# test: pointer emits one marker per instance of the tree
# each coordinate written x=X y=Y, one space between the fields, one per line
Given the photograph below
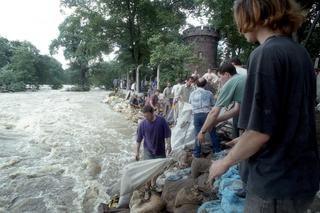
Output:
x=84 y=39
x=51 y=71
x=102 y=74
x=129 y=24
x=220 y=15
x=5 y=52
x=171 y=54
x=21 y=65
x=24 y=62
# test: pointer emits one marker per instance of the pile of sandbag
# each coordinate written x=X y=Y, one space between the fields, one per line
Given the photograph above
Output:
x=230 y=194
x=121 y=105
x=176 y=185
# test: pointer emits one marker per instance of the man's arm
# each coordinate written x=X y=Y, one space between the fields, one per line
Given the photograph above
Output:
x=168 y=146
x=139 y=141
x=249 y=143
x=138 y=151
x=229 y=114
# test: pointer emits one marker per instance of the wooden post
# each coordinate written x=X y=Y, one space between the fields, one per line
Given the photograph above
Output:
x=138 y=78
x=128 y=81
x=158 y=77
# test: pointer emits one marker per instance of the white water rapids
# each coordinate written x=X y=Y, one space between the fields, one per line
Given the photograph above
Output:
x=60 y=150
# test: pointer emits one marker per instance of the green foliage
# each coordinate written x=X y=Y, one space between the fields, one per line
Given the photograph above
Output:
x=84 y=39
x=98 y=25
x=313 y=44
x=171 y=54
x=102 y=74
x=21 y=65
x=220 y=15
x=9 y=81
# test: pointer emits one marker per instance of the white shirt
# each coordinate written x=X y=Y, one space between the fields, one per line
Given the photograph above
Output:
x=241 y=70
x=211 y=77
x=133 y=86
x=176 y=90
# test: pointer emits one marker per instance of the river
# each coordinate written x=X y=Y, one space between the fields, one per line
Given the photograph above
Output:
x=60 y=150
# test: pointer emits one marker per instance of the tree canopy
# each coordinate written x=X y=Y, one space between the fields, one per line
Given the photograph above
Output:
x=220 y=16
x=148 y=33
x=95 y=27
x=21 y=64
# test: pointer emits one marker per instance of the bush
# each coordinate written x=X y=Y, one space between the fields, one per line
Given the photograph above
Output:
x=16 y=87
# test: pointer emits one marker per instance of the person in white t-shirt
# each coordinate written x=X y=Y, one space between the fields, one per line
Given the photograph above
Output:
x=238 y=65
x=176 y=90
x=211 y=77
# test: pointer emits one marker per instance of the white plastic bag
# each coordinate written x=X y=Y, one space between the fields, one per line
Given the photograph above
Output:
x=183 y=134
x=138 y=173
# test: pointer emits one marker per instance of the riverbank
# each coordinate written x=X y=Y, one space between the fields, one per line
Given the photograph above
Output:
x=117 y=102
x=178 y=184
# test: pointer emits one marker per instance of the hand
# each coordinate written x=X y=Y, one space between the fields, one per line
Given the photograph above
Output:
x=137 y=156
x=168 y=150
x=217 y=169
x=201 y=137
x=233 y=142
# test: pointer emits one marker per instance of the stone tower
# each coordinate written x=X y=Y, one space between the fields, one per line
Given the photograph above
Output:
x=205 y=42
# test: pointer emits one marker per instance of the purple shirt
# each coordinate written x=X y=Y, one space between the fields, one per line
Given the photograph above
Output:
x=154 y=134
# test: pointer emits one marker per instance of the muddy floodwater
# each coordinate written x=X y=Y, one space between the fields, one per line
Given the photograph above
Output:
x=59 y=151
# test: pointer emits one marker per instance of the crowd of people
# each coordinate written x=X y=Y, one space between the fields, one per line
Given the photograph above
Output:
x=273 y=106
x=208 y=95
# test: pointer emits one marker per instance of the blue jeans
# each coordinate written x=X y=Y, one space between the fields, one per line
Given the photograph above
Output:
x=199 y=120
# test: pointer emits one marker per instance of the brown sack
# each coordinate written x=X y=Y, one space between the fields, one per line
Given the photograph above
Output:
x=138 y=205
x=188 y=195
x=187 y=208
x=199 y=166
x=171 y=189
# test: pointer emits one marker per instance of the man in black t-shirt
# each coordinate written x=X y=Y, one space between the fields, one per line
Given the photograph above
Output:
x=277 y=112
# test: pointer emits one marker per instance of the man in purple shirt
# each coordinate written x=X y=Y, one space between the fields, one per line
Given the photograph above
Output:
x=155 y=133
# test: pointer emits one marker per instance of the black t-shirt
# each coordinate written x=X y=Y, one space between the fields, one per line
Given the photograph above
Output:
x=279 y=100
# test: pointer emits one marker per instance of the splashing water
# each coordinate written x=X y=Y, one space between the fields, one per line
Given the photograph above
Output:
x=60 y=150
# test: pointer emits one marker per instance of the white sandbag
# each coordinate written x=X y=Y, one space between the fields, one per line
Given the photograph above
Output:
x=183 y=133
x=138 y=173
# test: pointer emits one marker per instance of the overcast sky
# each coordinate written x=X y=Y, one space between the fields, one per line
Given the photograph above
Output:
x=36 y=21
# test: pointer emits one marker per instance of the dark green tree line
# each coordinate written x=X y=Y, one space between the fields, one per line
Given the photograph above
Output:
x=97 y=26
x=21 y=64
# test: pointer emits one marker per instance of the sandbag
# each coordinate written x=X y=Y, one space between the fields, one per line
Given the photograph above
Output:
x=172 y=174
x=153 y=205
x=170 y=190
x=183 y=133
x=188 y=195
x=103 y=208
x=200 y=166
x=183 y=157
x=187 y=208
x=203 y=184
x=138 y=173
x=229 y=186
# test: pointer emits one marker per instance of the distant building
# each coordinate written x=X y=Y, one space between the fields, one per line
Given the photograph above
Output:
x=205 y=43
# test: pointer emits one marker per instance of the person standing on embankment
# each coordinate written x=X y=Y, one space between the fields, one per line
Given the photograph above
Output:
x=155 y=133
x=277 y=112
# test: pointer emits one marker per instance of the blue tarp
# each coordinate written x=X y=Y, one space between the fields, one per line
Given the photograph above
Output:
x=230 y=186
